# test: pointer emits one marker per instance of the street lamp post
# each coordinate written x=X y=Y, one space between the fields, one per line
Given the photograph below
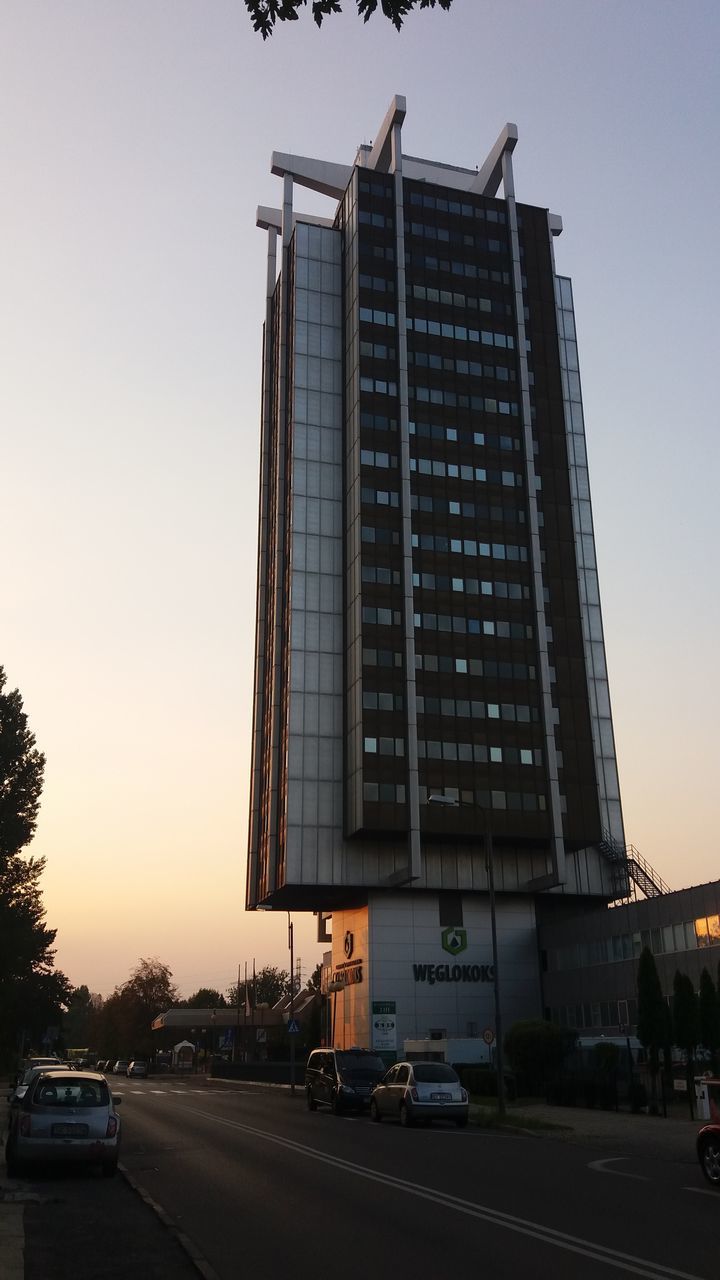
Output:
x=292 y=1006
x=441 y=798
x=490 y=868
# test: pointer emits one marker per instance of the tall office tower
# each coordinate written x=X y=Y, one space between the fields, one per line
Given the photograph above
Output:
x=430 y=665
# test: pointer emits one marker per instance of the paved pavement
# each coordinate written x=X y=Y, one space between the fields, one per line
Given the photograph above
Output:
x=35 y=1224
x=654 y=1136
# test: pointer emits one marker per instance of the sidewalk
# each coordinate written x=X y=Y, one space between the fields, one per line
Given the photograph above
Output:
x=622 y=1131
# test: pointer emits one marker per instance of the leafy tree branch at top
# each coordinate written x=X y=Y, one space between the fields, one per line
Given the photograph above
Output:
x=264 y=14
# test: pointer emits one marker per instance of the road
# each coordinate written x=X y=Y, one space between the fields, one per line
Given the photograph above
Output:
x=262 y=1186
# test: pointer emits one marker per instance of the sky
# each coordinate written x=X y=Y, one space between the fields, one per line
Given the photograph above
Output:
x=134 y=149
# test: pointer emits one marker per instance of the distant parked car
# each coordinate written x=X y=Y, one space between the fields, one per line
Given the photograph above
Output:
x=708 y=1151
x=413 y=1091
x=342 y=1079
x=138 y=1068
x=37 y=1062
x=28 y=1077
x=65 y=1116
x=120 y=1067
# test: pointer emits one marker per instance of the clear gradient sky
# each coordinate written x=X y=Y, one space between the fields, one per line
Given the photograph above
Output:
x=135 y=146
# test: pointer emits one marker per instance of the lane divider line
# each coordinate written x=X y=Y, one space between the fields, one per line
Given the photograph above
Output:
x=548 y=1235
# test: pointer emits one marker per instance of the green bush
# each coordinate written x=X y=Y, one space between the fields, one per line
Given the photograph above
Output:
x=537 y=1049
x=481 y=1082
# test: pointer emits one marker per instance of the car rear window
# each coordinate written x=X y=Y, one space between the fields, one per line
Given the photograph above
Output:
x=434 y=1073
x=70 y=1091
x=358 y=1065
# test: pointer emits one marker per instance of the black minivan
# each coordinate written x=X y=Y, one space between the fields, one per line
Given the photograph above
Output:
x=342 y=1079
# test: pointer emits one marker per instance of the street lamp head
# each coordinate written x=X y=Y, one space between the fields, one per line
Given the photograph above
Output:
x=440 y=797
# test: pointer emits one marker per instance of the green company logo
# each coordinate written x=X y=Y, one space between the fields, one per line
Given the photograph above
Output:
x=454 y=940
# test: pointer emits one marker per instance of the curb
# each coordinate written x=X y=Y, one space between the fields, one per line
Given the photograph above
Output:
x=187 y=1245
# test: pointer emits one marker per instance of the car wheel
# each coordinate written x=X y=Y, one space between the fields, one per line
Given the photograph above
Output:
x=461 y=1122
x=406 y=1119
x=311 y=1103
x=375 y=1112
x=710 y=1160
x=109 y=1169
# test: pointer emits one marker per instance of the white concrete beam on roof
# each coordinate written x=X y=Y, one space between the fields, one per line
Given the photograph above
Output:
x=381 y=154
x=317 y=175
x=445 y=175
x=268 y=219
x=489 y=176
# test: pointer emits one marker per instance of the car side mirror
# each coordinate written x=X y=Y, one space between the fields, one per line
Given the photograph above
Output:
x=116 y=1100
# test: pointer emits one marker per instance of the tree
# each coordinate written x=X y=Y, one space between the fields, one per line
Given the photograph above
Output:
x=22 y=768
x=126 y=1016
x=315 y=979
x=651 y=1016
x=709 y=1017
x=78 y=1019
x=685 y=1022
x=32 y=992
x=266 y=987
x=204 y=998
x=265 y=13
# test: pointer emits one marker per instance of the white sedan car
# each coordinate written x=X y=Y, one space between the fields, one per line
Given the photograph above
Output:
x=412 y=1091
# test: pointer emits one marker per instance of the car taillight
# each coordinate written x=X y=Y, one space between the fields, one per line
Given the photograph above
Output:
x=25 y=1126
x=414 y=1094
x=463 y=1095
x=112 y=1125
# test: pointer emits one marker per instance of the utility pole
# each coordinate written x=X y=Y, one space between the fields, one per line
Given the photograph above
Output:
x=236 y=1055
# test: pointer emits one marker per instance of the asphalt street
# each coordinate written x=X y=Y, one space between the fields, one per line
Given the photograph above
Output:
x=234 y=1179
x=258 y=1183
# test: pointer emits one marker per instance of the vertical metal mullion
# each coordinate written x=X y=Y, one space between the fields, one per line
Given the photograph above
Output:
x=546 y=707
x=259 y=726
x=413 y=797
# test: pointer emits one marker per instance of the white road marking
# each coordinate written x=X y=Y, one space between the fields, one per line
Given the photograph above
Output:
x=598 y=1167
x=703 y=1191
x=523 y=1226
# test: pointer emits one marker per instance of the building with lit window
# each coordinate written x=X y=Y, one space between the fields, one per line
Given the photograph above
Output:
x=430 y=665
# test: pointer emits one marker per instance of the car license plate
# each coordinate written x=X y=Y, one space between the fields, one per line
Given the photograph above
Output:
x=441 y=1097
x=69 y=1131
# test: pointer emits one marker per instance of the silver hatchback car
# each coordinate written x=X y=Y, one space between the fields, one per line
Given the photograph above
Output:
x=65 y=1116
x=412 y=1091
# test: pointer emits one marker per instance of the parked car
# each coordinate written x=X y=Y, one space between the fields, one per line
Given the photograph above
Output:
x=52 y=1061
x=120 y=1067
x=29 y=1076
x=138 y=1068
x=65 y=1116
x=341 y=1079
x=412 y=1091
x=708 y=1150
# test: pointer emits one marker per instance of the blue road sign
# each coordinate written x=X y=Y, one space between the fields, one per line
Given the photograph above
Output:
x=293 y=1027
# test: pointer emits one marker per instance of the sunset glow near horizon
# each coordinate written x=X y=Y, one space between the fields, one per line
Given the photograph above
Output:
x=137 y=146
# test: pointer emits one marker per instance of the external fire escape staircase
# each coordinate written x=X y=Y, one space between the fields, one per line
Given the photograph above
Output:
x=630 y=869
